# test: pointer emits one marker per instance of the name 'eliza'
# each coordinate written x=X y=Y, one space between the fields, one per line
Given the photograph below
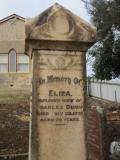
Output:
x=59 y=93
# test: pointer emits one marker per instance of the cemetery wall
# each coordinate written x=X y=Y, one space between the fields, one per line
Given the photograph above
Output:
x=105 y=90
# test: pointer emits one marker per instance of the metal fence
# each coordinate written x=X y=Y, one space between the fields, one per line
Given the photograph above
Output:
x=104 y=90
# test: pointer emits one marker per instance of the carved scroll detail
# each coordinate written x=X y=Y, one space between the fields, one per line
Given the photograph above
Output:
x=59 y=62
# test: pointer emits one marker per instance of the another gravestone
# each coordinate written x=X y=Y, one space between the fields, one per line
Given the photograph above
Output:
x=57 y=40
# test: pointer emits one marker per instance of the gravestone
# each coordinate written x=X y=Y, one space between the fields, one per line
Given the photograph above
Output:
x=57 y=41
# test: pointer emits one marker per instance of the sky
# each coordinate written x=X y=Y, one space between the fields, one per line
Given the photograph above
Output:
x=31 y=8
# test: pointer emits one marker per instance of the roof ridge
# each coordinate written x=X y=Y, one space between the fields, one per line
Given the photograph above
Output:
x=11 y=16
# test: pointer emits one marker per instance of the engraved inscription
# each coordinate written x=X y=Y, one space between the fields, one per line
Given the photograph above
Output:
x=60 y=93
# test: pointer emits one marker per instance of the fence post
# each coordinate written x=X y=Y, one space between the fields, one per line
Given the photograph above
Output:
x=101 y=90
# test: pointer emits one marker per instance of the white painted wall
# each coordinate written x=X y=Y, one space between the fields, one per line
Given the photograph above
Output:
x=104 y=90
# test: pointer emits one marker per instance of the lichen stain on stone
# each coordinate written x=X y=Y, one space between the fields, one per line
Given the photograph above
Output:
x=58 y=23
x=24 y=118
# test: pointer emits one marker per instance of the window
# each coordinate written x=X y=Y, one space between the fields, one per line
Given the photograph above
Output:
x=22 y=63
x=12 y=61
x=3 y=62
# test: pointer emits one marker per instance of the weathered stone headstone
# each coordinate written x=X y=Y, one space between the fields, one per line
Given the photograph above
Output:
x=57 y=40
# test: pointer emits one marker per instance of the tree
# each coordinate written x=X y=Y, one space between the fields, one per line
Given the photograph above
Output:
x=105 y=15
